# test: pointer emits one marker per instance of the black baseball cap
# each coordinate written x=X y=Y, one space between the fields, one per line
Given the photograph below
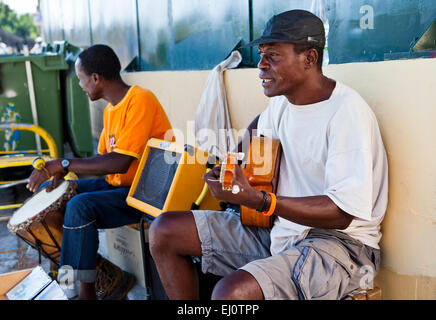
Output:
x=295 y=26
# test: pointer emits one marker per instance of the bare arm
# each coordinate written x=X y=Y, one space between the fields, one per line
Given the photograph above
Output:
x=315 y=211
x=109 y=163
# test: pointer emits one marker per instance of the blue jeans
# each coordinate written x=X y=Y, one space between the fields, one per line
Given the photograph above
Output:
x=98 y=205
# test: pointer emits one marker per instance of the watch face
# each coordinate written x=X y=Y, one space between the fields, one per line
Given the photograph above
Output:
x=65 y=163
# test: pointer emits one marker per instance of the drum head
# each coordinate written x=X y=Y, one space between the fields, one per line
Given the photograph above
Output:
x=37 y=204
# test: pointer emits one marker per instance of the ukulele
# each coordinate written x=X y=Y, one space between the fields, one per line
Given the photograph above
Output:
x=261 y=170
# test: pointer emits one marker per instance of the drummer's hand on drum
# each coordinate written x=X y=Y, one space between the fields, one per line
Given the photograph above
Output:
x=39 y=176
x=36 y=179
x=57 y=180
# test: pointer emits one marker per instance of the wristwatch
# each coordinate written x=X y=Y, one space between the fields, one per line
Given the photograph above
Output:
x=65 y=164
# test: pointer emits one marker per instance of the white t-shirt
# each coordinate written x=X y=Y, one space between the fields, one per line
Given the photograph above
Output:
x=331 y=148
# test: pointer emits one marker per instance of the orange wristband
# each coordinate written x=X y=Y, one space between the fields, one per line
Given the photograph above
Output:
x=272 y=206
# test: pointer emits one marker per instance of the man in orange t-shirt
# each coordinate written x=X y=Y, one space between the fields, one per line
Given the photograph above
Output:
x=127 y=127
x=132 y=116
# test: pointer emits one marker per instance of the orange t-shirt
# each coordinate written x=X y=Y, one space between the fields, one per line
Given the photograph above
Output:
x=127 y=127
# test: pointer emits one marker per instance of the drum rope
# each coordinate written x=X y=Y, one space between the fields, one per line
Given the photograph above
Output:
x=50 y=234
x=37 y=245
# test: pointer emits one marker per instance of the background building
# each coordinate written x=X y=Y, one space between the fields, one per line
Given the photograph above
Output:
x=198 y=34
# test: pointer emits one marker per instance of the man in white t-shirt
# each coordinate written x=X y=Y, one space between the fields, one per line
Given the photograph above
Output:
x=331 y=196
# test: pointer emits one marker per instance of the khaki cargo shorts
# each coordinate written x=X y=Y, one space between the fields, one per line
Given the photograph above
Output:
x=326 y=264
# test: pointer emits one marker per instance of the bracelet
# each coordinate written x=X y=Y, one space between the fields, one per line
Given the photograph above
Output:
x=265 y=198
x=272 y=207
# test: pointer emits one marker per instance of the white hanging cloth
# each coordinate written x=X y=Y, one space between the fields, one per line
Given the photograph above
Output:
x=213 y=129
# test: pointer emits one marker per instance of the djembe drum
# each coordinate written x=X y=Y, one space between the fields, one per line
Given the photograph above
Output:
x=39 y=221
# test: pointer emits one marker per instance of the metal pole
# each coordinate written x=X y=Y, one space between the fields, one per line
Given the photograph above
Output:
x=32 y=97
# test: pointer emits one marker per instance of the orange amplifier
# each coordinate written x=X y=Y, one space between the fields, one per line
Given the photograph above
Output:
x=170 y=178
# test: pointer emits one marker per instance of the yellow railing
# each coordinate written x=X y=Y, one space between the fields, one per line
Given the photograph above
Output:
x=53 y=150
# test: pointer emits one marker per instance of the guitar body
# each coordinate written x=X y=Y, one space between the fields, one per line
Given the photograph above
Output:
x=262 y=172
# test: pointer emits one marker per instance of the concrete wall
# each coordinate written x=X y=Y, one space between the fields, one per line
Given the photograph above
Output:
x=403 y=96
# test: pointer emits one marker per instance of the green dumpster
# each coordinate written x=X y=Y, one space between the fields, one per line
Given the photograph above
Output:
x=16 y=99
x=76 y=102
x=62 y=108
